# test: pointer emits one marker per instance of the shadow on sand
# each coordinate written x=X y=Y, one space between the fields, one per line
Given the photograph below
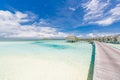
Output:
x=91 y=68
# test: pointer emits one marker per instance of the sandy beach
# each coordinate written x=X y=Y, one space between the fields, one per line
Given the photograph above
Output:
x=29 y=68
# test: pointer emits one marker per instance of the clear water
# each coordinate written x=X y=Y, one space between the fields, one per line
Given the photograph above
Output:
x=114 y=45
x=44 y=60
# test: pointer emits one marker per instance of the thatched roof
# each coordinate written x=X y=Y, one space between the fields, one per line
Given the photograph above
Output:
x=71 y=38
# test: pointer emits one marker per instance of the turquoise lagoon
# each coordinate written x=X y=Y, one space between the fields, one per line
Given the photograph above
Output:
x=44 y=60
x=114 y=45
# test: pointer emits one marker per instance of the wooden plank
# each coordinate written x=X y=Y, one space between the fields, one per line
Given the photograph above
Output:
x=107 y=62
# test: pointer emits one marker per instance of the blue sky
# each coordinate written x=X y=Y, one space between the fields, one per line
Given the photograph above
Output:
x=59 y=18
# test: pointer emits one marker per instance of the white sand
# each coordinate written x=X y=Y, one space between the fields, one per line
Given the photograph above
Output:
x=31 y=68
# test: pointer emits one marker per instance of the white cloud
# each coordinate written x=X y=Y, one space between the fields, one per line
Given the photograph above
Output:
x=91 y=35
x=80 y=36
x=11 y=27
x=96 y=12
x=72 y=9
x=115 y=11
x=16 y=17
x=94 y=9
x=105 y=22
x=102 y=34
x=113 y=17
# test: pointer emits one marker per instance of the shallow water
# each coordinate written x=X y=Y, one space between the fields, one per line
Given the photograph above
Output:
x=44 y=60
x=114 y=45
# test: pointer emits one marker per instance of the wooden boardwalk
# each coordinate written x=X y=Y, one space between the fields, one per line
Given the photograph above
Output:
x=107 y=62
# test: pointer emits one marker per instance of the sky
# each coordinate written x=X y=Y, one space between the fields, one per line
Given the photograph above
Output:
x=59 y=18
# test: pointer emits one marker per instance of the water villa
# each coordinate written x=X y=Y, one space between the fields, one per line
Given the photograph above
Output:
x=116 y=39
x=72 y=38
x=109 y=39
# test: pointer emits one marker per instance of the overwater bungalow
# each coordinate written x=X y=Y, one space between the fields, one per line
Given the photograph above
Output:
x=104 y=39
x=113 y=39
x=109 y=39
x=117 y=39
x=72 y=38
x=100 y=39
x=97 y=39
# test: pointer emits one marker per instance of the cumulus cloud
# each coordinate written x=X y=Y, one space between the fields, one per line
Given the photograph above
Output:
x=11 y=26
x=100 y=12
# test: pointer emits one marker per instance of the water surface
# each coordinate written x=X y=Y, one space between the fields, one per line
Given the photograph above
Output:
x=44 y=60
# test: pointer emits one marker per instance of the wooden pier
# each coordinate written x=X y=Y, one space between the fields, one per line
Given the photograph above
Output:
x=107 y=62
